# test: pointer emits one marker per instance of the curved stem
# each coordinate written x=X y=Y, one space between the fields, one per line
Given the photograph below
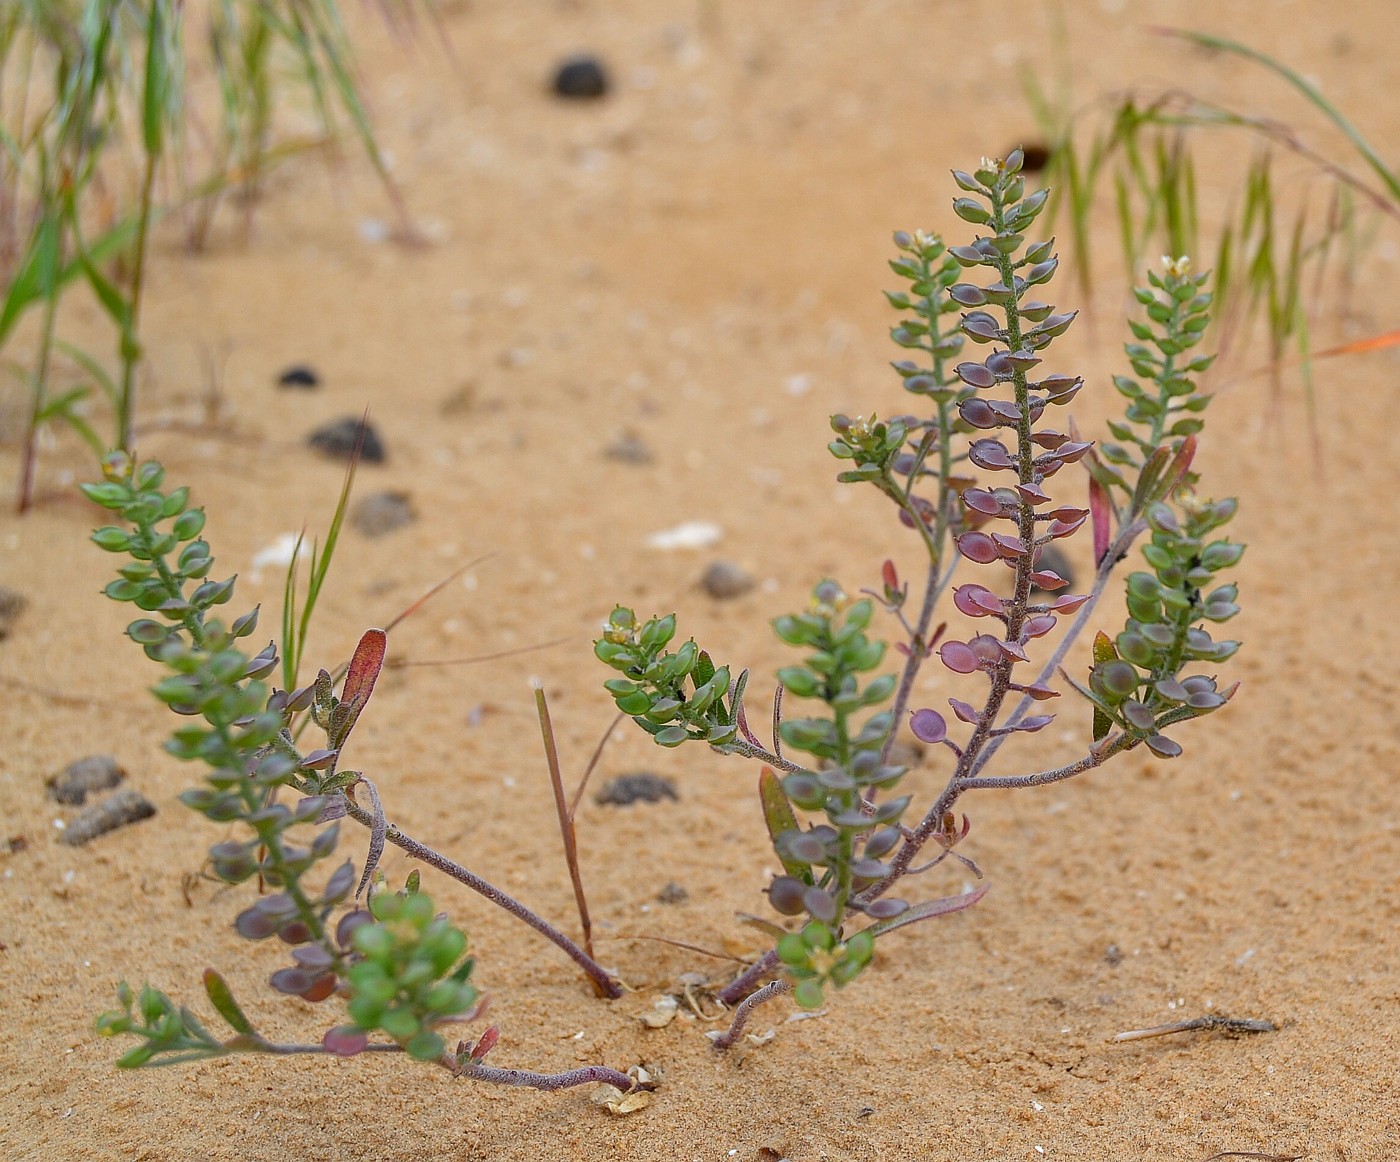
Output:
x=602 y=980
x=775 y=988
x=545 y=1081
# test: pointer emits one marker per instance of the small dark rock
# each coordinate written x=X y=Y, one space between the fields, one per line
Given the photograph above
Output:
x=581 y=77
x=1113 y=955
x=724 y=579
x=127 y=806
x=643 y=787
x=340 y=437
x=15 y=843
x=299 y=375
x=97 y=772
x=382 y=512
x=672 y=893
x=1037 y=157
x=12 y=604
x=1053 y=559
x=629 y=448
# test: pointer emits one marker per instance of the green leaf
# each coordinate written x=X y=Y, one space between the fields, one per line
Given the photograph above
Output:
x=221 y=997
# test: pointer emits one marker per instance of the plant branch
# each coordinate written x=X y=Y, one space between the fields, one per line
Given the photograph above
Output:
x=723 y=1040
x=595 y=972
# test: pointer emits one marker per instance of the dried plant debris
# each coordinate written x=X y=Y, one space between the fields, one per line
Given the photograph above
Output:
x=299 y=375
x=641 y=787
x=1231 y=1026
x=645 y=1078
x=339 y=438
x=126 y=806
x=724 y=579
x=382 y=512
x=662 y=1013
x=12 y=604
x=581 y=77
x=97 y=772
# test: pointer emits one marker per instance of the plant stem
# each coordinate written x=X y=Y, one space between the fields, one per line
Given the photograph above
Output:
x=130 y=342
x=546 y=1081
x=775 y=988
x=601 y=978
x=566 y=819
x=738 y=988
x=29 y=455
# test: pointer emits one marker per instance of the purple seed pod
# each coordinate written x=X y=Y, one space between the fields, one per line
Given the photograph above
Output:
x=886 y=908
x=927 y=726
x=345 y=1041
x=981 y=326
x=1037 y=626
x=983 y=500
x=1163 y=747
x=292 y=981
x=977 y=601
x=975 y=375
x=820 y=905
x=1009 y=547
x=978 y=547
x=785 y=894
x=977 y=413
x=965 y=711
x=990 y=454
x=958 y=657
x=987 y=648
x=345 y=930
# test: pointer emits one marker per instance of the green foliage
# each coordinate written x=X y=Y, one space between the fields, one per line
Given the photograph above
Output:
x=674 y=697
x=412 y=977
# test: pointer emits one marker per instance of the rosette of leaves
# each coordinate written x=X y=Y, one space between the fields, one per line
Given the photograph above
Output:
x=675 y=697
x=1137 y=683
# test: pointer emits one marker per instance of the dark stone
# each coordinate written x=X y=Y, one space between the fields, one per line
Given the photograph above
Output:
x=299 y=375
x=629 y=448
x=340 y=437
x=126 y=806
x=97 y=772
x=1113 y=955
x=723 y=579
x=642 y=787
x=1037 y=157
x=581 y=77
x=382 y=512
x=672 y=893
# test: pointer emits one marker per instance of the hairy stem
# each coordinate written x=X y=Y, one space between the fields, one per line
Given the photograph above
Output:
x=772 y=989
x=546 y=1081
x=743 y=984
x=601 y=978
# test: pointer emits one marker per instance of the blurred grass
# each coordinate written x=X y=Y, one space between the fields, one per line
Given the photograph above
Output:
x=100 y=138
x=1283 y=246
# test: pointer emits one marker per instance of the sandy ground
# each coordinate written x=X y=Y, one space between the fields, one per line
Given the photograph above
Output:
x=697 y=261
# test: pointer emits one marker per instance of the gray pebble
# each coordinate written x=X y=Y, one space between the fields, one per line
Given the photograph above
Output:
x=629 y=448
x=339 y=438
x=672 y=893
x=97 y=772
x=299 y=375
x=126 y=806
x=382 y=512
x=642 y=787
x=724 y=579
x=581 y=76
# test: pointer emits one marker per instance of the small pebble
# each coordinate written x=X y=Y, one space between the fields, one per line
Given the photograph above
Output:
x=1113 y=955
x=629 y=448
x=581 y=77
x=673 y=893
x=724 y=579
x=98 y=772
x=382 y=512
x=12 y=604
x=643 y=787
x=1053 y=559
x=1037 y=157
x=339 y=437
x=126 y=806
x=299 y=375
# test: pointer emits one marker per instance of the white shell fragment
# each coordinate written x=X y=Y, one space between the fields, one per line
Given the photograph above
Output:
x=662 y=1013
x=693 y=534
